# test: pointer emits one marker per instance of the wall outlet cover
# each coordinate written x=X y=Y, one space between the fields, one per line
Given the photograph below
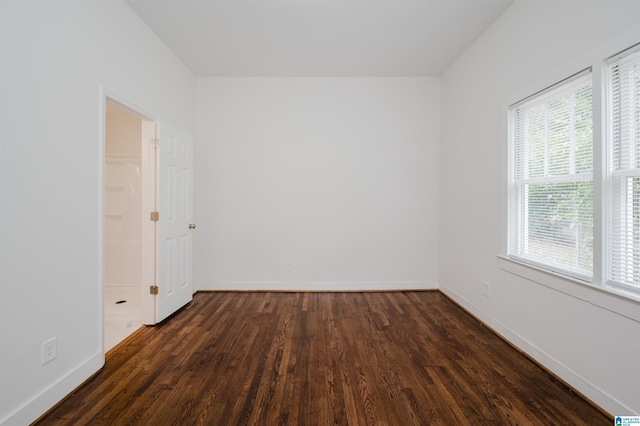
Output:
x=49 y=350
x=485 y=289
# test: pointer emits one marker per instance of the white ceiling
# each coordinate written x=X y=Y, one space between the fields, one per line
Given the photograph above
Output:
x=318 y=37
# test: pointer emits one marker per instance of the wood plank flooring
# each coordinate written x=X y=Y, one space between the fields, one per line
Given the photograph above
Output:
x=399 y=358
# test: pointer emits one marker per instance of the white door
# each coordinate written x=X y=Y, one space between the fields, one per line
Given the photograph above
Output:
x=175 y=206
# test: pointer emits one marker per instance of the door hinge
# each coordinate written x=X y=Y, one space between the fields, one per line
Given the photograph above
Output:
x=153 y=289
x=155 y=142
x=155 y=216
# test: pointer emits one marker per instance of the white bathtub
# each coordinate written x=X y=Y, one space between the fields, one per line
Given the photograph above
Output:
x=121 y=319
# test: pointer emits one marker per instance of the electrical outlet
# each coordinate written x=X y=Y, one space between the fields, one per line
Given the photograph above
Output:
x=485 y=289
x=288 y=265
x=49 y=350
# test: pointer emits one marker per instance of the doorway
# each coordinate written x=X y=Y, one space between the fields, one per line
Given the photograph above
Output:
x=123 y=224
x=147 y=220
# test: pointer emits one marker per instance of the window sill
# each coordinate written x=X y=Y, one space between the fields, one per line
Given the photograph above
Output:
x=610 y=299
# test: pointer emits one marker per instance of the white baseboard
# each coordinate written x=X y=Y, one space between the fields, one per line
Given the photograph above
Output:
x=579 y=383
x=53 y=394
x=316 y=286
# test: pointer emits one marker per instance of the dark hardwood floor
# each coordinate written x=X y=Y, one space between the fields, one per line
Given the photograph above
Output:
x=399 y=358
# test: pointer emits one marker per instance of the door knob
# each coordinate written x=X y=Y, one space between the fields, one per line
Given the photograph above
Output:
x=192 y=226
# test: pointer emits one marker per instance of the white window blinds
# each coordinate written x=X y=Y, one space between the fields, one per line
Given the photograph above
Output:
x=551 y=190
x=624 y=171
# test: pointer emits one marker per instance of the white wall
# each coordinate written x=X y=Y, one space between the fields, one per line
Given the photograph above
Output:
x=338 y=175
x=588 y=337
x=55 y=55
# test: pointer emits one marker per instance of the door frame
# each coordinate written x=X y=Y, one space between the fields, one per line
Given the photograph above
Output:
x=148 y=189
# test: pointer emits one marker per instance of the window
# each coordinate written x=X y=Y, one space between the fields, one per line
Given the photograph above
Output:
x=623 y=104
x=551 y=200
x=551 y=188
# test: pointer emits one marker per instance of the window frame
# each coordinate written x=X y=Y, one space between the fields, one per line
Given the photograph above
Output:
x=598 y=291
x=513 y=199
x=611 y=175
